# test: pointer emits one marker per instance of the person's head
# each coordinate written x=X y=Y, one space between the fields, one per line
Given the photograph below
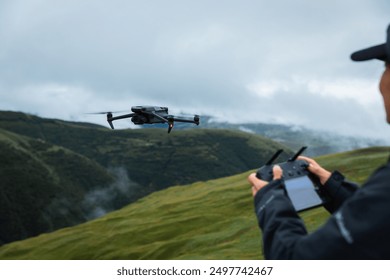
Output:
x=381 y=52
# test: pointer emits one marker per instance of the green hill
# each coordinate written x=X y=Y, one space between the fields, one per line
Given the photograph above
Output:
x=55 y=174
x=43 y=186
x=205 y=220
x=181 y=157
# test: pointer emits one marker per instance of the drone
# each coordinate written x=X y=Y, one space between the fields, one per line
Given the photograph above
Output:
x=150 y=115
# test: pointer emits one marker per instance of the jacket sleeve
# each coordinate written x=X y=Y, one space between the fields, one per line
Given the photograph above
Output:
x=337 y=189
x=358 y=228
x=284 y=233
x=278 y=220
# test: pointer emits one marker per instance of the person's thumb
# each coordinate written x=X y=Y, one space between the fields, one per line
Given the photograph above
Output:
x=278 y=172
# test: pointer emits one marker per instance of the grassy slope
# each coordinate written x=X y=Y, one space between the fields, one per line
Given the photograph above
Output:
x=41 y=186
x=205 y=220
x=53 y=173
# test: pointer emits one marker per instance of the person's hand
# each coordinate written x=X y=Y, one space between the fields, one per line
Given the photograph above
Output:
x=258 y=184
x=322 y=174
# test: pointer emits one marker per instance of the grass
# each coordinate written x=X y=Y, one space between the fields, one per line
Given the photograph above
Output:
x=204 y=220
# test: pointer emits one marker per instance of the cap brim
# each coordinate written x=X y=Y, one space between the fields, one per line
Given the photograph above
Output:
x=375 y=52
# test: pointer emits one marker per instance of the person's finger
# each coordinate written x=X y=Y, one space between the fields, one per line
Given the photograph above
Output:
x=313 y=166
x=317 y=169
x=309 y=160
x=254 y=181
x=254 y=190
x=278 y=172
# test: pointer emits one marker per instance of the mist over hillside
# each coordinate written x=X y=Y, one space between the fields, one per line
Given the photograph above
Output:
x=43 y=186
x=293 y=136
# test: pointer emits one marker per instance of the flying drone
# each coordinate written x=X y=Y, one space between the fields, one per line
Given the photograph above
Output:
x=150 y=115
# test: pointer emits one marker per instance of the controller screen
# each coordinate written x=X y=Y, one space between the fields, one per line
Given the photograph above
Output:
x=302 y=193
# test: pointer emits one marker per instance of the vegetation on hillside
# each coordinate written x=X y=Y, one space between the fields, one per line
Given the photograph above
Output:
x=55 y=174
x=204 y=220
x=152 y=158
x=42 y=186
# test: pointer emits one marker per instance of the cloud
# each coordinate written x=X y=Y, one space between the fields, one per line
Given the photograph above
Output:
x=100 y=201
x=345 y=106
x=236 y=60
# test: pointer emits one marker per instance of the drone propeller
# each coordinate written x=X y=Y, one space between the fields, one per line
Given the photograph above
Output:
x=109 y=116
x=105 y=113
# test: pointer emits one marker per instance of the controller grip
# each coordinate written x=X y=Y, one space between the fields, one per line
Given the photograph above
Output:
x=265 y=173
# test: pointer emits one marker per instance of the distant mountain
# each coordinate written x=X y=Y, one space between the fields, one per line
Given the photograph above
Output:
x=205 y=220
x=55 y=173
x=319 y=142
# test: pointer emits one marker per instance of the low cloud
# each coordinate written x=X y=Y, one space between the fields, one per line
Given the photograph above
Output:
x=258 y=60
x=100 y=201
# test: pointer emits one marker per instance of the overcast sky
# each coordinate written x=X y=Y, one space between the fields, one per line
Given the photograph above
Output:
x=280 y=61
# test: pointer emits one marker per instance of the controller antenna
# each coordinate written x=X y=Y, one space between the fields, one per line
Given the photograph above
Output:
x=275 y=156
x=294 y=157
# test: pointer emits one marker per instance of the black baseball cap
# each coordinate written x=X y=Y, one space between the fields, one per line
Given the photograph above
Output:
x=381 y=52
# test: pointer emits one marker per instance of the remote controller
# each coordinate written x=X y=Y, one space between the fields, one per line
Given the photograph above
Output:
x=303 y=188
x=292 y=168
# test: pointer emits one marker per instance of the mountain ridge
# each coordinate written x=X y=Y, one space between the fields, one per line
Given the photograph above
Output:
x=67 y=173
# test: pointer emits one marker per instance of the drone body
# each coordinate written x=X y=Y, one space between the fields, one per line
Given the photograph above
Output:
x=151 y=115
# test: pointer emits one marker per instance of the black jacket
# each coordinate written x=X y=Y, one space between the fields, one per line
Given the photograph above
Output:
x=359 y=227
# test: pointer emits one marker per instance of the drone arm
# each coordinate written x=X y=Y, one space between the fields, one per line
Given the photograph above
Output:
x=168 y=120
x=110 y=118
x=195 y=120
x=159 y=117
x=122 y=117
